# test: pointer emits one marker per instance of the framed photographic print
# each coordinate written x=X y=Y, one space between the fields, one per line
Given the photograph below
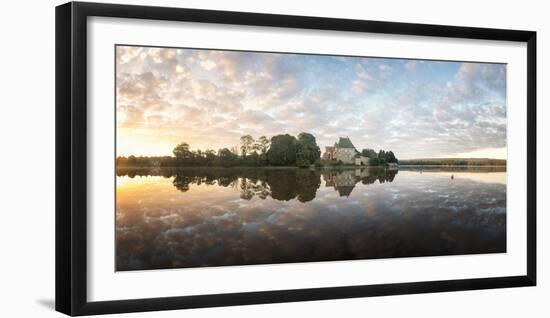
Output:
x=209 y=158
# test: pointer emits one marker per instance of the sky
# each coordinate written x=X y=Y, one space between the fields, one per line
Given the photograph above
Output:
x=210 y=98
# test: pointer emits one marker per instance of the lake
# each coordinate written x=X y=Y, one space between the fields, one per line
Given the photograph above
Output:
x=196 y=217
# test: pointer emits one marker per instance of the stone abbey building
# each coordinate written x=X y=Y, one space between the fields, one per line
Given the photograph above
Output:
x=345 y=151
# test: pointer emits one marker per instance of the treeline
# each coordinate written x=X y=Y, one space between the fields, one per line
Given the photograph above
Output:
x=280 y=150
x=379 y=158
x=455 y=162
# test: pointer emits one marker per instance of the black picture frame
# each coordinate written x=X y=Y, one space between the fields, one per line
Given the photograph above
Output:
x=71 y=157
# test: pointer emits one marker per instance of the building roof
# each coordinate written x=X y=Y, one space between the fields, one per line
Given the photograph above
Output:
x=345 y=143
x=329 y=148
x=345 y=191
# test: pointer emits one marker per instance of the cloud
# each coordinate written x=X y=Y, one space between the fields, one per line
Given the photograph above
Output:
x=207 y=64
x=126 y=54
x=477 y=80
x=210 y=98
x=364 y=79
x=130 y=116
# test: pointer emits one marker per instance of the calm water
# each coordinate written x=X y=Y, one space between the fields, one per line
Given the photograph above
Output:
x=176 y=218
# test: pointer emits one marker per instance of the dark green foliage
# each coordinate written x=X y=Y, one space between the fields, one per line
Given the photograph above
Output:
x=226 y=158
x=308 y=151
x=252 y=160
x=184 y=156
x=386 y=157
x=282 y=151
x=382 y=157
x=369 y=153
x=302 y=163
x=374 y=161
x=391 y=157
x=209 y=157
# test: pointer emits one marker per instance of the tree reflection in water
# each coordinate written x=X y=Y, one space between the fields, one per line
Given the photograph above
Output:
x=279 y=184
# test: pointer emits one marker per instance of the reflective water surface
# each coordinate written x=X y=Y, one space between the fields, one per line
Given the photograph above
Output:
x=193 y=217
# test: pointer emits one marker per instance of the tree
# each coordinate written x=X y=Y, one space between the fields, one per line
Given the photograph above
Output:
x=382 y=157
x=225 y=153
x=280 y=150
x=283 y=150
x=262 y=145
x=182 y=151
x=369 y=153
x=374 y=161
x=227 y=158
x=121 y=161
x=132 y=160
x=392 y=158
x=210 y=157
x=302 y=163
x=197 y=158
x=252 y=159
x=307 y=150
x=234 y=150
x=247 y=145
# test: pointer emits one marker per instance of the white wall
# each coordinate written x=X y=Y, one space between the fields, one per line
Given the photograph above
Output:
x=27 y=158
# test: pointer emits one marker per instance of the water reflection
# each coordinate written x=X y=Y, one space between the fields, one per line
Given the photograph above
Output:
x=280 y=184
x=172 y=218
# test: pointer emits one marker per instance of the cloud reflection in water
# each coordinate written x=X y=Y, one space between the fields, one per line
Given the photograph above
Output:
x=216 y=217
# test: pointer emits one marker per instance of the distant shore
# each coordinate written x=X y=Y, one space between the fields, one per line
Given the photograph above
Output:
x=447 y=166
x=251 y=167
x=459 y=162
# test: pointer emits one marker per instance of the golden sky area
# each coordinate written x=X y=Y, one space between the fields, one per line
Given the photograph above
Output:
x=209 y=98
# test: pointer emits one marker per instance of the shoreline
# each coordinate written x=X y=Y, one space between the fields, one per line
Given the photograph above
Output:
x=312 y=167
x=248 y=167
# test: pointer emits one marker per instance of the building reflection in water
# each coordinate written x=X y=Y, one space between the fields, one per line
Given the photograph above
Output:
x=280 y=184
